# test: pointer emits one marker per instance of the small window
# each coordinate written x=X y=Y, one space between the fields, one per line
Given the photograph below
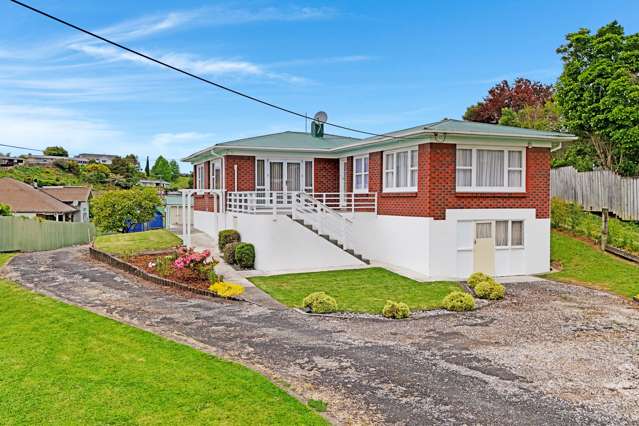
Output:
x=360 y=174
x=260 y=177
x=501 y=233
x=465 y=167
x=389 y=171
x=490 y=169
x=517 y=232
x=216 y=174
x=199 y=176
x=483 y=230
x=515 y=169
x=308 y=176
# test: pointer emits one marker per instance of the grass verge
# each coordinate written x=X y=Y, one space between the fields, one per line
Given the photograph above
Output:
x=137 y=242
x=582 y=263
x=63 y=365
x=357 y=290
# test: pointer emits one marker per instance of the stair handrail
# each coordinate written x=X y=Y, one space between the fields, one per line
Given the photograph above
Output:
x=321 y=214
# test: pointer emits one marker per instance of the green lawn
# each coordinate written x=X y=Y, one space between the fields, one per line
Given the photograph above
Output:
x=356 y=290
x=583 y=264
x=63 y=365
x=137 y=242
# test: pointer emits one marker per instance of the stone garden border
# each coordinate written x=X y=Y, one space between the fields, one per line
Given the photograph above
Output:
x=134 y=270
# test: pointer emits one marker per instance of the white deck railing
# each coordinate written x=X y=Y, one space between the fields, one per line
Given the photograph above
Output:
x=277 y=202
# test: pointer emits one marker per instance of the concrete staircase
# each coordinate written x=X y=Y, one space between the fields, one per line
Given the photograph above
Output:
x=330 y=240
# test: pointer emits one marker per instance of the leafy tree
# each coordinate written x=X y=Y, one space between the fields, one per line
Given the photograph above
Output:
x=539 y=117
x=162 y=169
x=96 y=173
x=521 y=93
x=120 y=210
x=126 y=169
x=68 y=166
x=147 y=171
x=598 y=94
x=175 y=170
x=5 y=210
x=58 y=151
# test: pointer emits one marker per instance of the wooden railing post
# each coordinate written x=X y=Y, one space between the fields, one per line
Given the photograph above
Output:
x=604 y=228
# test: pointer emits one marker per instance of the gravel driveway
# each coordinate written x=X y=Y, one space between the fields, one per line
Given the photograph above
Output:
x=549 y=354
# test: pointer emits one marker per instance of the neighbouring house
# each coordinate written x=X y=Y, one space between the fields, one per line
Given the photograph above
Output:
x=25 y=200
x=8 y=161
x=443 y=199
x=155 y=183
x=98 y=158
x=74 y=196
x=49 y=160
x=173 y=209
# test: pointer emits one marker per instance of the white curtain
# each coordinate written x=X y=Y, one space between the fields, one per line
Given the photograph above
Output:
x=464 y=167
x=501 y=233
x=514 y=169
x=293 y=181
x=518 y=233
x=401 y=169
x=308 y=176
x=259 y=174
x=483 y=230
x=389 y=171
x=277 y=176
x=490 y=168
x=413 y=168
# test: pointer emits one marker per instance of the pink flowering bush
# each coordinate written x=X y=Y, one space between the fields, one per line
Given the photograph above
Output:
x=195 y=261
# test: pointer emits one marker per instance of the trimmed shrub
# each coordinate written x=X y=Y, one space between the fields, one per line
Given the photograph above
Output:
x=226 y=290
x=226 y=236
x=636 y=298
x=478 y=277
x=245 y=255
x=320 y=303
x=490 y=290
x=459 y=301
x=397 y=310
x=229 y=252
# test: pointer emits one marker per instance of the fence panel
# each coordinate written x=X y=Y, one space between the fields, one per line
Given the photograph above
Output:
x=597 y=189
x=23 y=234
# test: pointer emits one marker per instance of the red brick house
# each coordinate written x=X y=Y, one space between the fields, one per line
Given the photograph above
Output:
x=443 y=199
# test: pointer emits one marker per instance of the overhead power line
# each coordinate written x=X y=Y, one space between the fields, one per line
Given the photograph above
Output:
x=195 y=76
x=22 y=147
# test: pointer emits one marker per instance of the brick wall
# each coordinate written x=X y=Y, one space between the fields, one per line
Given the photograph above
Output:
x=245 y=172
x=326 y=175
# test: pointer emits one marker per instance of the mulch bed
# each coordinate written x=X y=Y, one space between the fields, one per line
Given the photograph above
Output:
x=186 y=276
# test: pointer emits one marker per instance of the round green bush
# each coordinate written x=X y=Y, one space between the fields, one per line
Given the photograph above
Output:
x=478 y=277
x=229 y=252
x=320 y=303
x=490 y=290
x=397 y=310
x=636 y=297
x=458 y=301
x=245 y=255
x=226 y=236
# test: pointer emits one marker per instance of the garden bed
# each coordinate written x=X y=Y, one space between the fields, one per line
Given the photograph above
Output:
x=184 y=276
x=134 y=269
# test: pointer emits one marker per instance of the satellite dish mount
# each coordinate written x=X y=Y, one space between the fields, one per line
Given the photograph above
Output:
x=317 y=126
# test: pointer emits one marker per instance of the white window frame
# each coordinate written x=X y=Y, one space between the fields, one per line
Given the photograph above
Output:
x=304 y=176
x=505 y=188
x=510 y=234
x=411 y=167
x=364 y=173
x=213 y=165
x=199 y=176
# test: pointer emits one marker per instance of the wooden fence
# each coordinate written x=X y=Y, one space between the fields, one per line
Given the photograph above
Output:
x=596 y=190
x=23 y=234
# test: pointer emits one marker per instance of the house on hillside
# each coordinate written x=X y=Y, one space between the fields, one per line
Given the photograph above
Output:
x=28 y=201
x=49 y=160
x=443 y=199
x=98 y=158
x=160 y=184
x=74 y=196
x=9 y=161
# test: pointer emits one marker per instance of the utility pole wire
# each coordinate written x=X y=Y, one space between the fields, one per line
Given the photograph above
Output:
x=21 y=147
x=197 y=77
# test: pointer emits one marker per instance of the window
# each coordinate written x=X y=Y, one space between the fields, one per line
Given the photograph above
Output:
x=360 y=174
x=199 y=178
x=400 y=170
x=490 y=170
x=501 y=233
x=517 y=239
x=216 y=174
x=483 y=230
x=308 y=176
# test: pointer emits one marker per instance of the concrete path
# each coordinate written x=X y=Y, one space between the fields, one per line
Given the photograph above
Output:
x=521 y=361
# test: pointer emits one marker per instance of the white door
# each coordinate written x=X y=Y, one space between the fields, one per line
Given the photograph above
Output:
x=484 y=248
x=343 y=172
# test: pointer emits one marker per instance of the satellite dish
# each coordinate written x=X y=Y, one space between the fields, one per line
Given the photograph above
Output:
x=320 y=117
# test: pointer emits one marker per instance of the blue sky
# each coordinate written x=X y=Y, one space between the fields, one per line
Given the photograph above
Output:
x=378 y=66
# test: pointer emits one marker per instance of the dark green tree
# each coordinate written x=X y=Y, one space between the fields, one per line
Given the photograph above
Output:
x=598 y=94
x=147 y=171
x=175 y=170
x=58 y=151
x=118 y=211
x=162 y=169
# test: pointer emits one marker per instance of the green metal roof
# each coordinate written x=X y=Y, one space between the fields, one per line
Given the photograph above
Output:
x=300 y=141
